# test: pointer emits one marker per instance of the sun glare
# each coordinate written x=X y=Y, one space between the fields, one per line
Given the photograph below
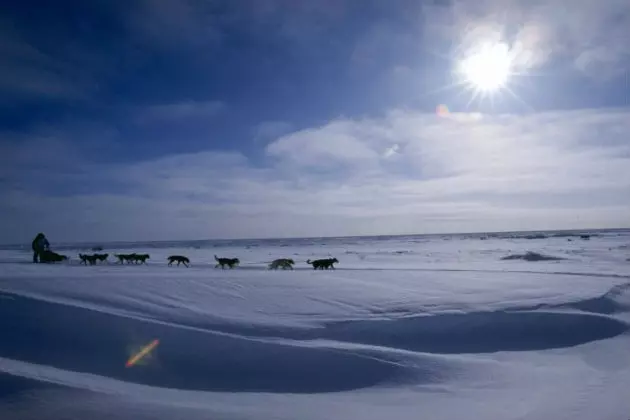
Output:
x=487 y=68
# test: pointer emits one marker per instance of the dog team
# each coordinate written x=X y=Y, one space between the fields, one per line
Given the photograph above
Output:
x=43 y=254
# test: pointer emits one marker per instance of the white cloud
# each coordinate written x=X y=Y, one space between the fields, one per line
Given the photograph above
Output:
x=391 y=151
x=406 y=172
x=340 y=142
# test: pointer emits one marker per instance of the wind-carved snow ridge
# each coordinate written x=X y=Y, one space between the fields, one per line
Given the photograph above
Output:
x=279 y=359
x=481 y=332
x=190 y=358
x=616 y=300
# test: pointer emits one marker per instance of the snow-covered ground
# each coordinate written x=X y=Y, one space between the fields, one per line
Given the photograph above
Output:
x=411 y=327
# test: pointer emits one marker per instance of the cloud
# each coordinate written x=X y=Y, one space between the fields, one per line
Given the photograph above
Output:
x=443 y=147
x=590 y=34
x=404 y=172
x=391 y=151
x=338 y=143
x=180 y=111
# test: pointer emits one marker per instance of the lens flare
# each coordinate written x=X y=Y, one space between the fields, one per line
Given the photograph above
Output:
x=442 y=110
x=142 y=353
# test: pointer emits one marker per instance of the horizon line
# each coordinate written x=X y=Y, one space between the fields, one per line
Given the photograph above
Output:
x=330 y=237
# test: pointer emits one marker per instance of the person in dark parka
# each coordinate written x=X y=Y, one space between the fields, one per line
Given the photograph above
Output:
x=39 y=245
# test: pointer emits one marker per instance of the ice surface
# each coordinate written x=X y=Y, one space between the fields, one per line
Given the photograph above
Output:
x=437 y=327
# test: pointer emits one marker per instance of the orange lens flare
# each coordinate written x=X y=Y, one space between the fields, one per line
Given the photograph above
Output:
x=442 y=110
x=145 y=350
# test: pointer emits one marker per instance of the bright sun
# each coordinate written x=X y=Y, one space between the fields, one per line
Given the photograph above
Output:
x=488 y=68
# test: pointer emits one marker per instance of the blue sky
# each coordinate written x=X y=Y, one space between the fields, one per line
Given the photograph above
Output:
x=189 y=119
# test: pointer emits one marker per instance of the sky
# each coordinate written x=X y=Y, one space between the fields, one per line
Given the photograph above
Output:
x=201 y=119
